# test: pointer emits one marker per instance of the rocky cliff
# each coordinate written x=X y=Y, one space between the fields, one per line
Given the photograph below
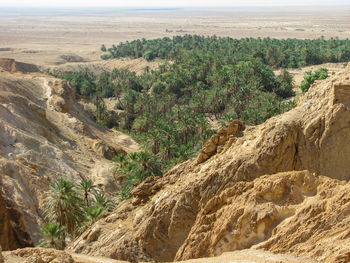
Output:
x=281 y=186
x=10 y=65
x=45 y=135
x=12 y=229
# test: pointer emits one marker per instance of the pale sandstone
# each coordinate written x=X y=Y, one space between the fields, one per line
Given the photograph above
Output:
x=46 y=135
x=10 y=65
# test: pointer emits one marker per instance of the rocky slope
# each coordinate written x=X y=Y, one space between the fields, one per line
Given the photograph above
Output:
x=45 y=135
x=281 y=186
x=10 y=65
x=137 y=65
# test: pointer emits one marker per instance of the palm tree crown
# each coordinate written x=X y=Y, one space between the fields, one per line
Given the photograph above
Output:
x=64 y=204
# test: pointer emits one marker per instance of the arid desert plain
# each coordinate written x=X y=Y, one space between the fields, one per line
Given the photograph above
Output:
x=42 y=36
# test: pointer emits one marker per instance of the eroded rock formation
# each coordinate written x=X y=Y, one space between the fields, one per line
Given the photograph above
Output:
x=46 y=135
x=281 y=186
x=13 y=233
x=221 y=141
x=10 y=65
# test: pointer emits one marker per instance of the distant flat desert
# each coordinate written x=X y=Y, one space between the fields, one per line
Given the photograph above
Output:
x=42 y=36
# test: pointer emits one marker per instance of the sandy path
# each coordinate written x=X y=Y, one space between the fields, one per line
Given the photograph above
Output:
x=242 y=256
x=80 y=258
x=251 y=256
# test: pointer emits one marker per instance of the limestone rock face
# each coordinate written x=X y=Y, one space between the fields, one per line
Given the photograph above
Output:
x=13 y=233
x=217 y=142
x=280 y=186
x=45 y=134
x=10 y=65
x=285 y=212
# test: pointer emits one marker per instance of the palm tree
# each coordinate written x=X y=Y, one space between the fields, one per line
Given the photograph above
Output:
x=153 y=137
x=120 y=158
x=53 y=235
x=93 y=213
x=64 y=205
x=102 y=201
x=86 y=186
x=101 y=108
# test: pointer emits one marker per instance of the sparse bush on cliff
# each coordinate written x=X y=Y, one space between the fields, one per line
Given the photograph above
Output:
x=311 y=77
x=136 y=167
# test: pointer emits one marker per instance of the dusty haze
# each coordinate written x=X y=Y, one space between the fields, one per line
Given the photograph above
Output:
x=40 y=36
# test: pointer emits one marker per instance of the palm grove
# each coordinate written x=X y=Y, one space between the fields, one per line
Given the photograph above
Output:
x=202 y=80
x=70 y=209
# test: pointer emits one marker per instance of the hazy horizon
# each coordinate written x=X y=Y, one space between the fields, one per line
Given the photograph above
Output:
x=168 y=4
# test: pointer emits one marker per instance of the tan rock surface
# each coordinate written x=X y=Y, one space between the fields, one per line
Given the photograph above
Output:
x=282 y=186
x=242 y=256
x=13 y=233
x=38 y=255
x=218 y=142
x=46 y=135
x=251 y=256
x=44 y=255
x=10 y=65
x=1 y=257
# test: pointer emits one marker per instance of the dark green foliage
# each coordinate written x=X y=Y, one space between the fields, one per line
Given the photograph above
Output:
x=310 y=78
x=106 y=56
x=87 y=188
x=286 y=84
x=92 y=213
x=64 y=205
x=52 y=235
x=263 y=107
x=284 y=53
x=102 y=201
x=70 y=208
x=135 y=168
x=204 y=79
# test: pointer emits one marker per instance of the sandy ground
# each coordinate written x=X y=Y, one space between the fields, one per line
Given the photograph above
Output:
x=42 y=36
x=243 y=256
